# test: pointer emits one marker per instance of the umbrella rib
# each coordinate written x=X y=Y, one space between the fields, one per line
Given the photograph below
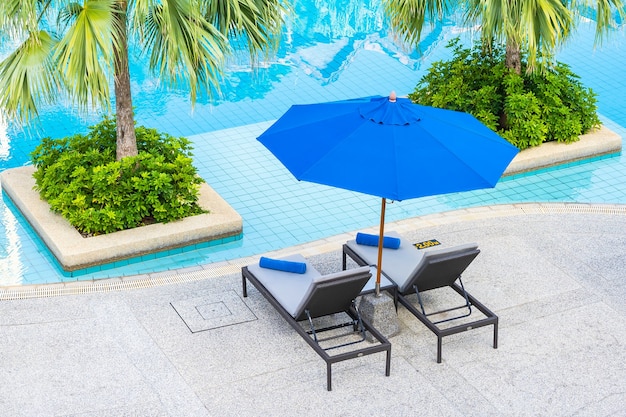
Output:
x=461 y=161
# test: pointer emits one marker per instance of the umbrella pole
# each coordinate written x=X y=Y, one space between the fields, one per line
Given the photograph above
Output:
x=380 y=247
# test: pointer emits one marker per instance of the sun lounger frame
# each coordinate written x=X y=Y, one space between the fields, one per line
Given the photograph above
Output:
x=383 y=344
x=490 y=319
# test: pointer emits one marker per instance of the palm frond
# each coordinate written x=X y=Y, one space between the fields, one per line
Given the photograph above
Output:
x=407 y=17
x=184 y=46
x=538 y=26
x=257 y=23
x=84 y=54
x=494 y=19
x=547 y=24
x=29 y=76
x=608 y=14
x=20 y=17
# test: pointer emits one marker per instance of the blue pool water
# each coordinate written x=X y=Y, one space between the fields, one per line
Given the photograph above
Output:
x=323 y=57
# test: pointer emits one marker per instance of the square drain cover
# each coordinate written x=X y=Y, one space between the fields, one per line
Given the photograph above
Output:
x=211 y=311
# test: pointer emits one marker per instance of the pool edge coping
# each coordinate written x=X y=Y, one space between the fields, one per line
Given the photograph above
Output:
x=322 y=246
x=602 y=141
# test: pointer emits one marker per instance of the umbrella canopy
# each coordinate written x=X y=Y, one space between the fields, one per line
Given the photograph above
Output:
x=388 y=147
x=395 y=150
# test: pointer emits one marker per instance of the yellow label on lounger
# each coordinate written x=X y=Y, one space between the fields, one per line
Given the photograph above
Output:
x=427 y=244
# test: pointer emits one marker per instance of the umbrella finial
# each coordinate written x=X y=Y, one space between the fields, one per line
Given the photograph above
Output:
x=392 y=97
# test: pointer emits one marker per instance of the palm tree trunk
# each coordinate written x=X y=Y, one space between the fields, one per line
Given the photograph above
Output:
x=126 y=139
x=513 y=56
x=513 y=61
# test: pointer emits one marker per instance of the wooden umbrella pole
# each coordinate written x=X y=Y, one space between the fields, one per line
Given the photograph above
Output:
x=380 y=247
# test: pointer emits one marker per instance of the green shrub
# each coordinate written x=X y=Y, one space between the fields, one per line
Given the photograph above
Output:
x=527 y=109
x=80 y=179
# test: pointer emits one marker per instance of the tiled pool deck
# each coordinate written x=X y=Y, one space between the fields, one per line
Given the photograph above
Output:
x=552 y=272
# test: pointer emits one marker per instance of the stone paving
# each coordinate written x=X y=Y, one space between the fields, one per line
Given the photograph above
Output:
x=191 y=345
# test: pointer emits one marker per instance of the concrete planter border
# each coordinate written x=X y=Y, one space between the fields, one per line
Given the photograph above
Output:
x=74 y=252
x=602 y=141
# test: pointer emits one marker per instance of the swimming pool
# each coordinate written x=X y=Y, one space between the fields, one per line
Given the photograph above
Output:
x=322 y=58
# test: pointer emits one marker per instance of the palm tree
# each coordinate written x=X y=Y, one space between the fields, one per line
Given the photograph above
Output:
x=537 y=26
x=75 y=47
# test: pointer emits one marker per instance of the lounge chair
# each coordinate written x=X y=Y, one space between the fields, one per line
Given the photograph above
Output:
x=417 y=271
x=307 y=296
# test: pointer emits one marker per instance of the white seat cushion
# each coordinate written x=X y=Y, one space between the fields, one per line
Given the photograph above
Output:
x=398 y=264
x=293 y=290
x=401 y=264
x=288 y=288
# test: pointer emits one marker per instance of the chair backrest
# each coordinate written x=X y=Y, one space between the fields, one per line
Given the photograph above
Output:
x=440 y=268
x=333 y=293
x=398 y=264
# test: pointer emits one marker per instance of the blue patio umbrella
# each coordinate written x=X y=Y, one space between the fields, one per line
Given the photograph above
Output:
x=388 y=147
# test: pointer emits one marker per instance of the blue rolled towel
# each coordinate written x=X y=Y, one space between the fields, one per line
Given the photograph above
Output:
x=282 y=265
x=389 y=242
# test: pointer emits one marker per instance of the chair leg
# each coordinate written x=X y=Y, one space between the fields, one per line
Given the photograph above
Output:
x=328 y=376
x=388 y=363
x=439 y=349
x=495 y=335
x=244 y=286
